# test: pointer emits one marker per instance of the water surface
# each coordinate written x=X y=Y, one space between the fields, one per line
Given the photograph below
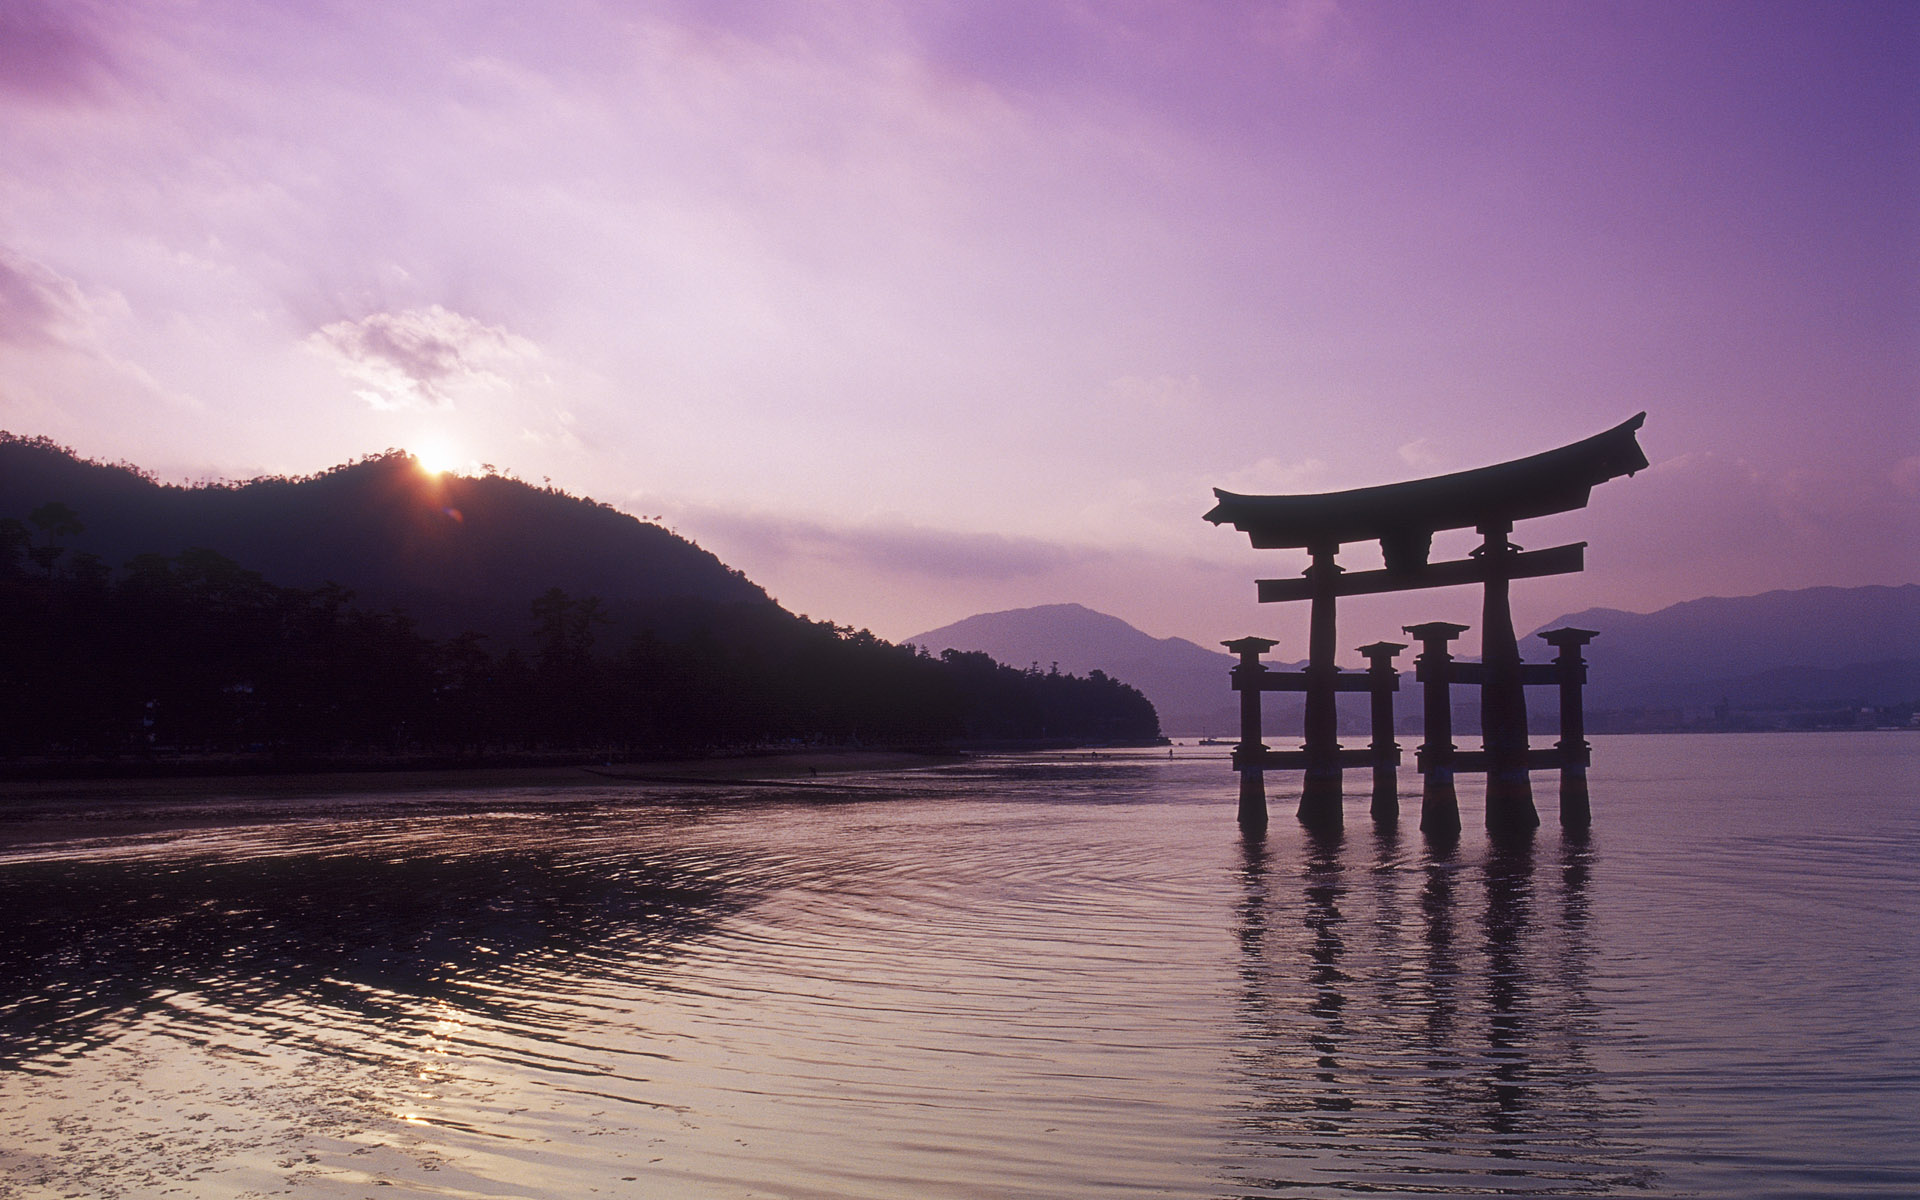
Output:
x=1023 y=977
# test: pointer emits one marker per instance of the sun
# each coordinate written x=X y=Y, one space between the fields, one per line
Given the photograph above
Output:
x=436 y=456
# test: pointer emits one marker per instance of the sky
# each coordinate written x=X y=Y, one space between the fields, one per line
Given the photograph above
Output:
x=915 y=310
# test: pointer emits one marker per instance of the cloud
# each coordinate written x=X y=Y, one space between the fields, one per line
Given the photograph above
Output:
x=1316 y=34
x=1706 y=523
x=421 y=358
x=1419 y=454
x=898 y=578
x=888 y=548
x=1274 y=476
x=37 y=306
x=1122 y=50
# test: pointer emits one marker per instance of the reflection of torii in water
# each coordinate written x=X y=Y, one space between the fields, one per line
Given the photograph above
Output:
x=1403 y=517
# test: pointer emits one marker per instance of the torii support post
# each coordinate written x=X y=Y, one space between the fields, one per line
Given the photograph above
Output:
x=1386 y=752
x=1575 y=752
x=1503 y=701
x=1320 y=798
x=1439 y=806
x=1247 y=755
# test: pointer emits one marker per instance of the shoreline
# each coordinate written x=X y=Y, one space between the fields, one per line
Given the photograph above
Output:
x=792 y=769
x=261 y=773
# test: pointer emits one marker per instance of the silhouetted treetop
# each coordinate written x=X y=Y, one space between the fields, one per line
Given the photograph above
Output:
x=456 y=552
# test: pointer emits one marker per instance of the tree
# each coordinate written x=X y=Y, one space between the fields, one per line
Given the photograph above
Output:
x=14 y=542
x=54 y=519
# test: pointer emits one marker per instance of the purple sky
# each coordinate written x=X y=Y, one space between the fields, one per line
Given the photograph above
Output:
x=915 y=310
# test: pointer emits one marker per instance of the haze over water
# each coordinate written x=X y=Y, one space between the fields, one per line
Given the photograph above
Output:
x=1033 y=976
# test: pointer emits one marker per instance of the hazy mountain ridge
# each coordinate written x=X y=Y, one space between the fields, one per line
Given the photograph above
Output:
x=1187 y=682
x=1803 y=648
x=1822 y=645
x=453 y=552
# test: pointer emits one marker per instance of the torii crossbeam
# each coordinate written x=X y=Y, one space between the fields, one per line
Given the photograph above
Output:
x=1403 y=517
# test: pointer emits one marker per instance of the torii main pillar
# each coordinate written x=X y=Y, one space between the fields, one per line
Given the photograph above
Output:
x=1320 y=791
x=1503 y=702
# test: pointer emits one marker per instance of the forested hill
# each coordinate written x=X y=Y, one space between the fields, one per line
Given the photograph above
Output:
x=156 y=623
x=454 y=553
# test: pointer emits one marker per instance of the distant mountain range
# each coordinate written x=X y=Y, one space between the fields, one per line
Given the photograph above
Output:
x=1187 y=682
x=1812 y=646
x=1836 y=647
x=454 y=553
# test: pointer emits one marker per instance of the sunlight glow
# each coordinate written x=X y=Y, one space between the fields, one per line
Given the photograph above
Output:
x=436 y=455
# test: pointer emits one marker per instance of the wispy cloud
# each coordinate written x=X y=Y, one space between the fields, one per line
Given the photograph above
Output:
x=1743 y=528
x=1420 y=454
x=38 y=307
x=891 y=548
x=422 y=357
x=1273 y=476
x=901 y=578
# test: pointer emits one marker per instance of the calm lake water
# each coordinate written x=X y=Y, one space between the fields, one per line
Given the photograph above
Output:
x=1023 y=977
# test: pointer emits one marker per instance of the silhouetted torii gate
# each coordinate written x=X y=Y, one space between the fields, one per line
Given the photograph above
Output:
x=1403 y=517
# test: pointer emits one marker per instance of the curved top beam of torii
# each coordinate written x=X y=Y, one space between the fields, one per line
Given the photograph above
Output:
x=1404 y=516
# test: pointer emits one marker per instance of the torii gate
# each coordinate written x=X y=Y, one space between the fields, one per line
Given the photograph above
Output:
x=1403 y=518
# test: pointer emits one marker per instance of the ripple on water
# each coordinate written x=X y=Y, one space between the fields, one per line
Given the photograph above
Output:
x=1027 y=977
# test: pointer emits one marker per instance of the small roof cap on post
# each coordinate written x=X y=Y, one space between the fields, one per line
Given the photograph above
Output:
x=1567 y=635
x=1250 y=645
x=1382 y=649
x=1443 y=631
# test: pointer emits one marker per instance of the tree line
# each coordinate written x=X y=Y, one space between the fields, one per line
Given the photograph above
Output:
x=193 y=654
